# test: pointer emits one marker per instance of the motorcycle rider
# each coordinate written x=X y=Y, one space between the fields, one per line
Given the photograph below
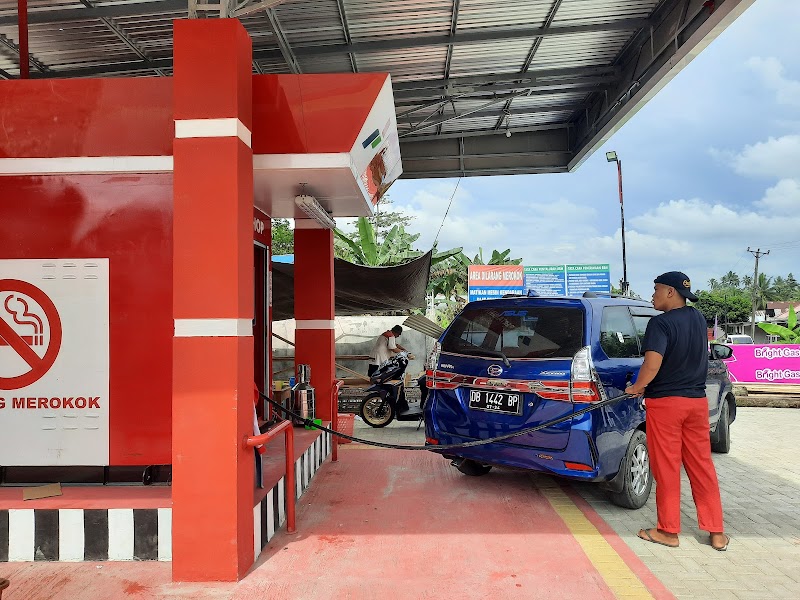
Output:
x=385 y=345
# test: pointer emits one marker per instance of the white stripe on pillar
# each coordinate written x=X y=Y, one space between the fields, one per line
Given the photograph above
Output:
x=298 y=480
x=120 y=534
x=315 y=324
x=213 y=128
x=213 y=328
x=281 y=501
x=71 y=541
x=20 y=535
x=270 y=514
x=256 y=531
x=164 y=534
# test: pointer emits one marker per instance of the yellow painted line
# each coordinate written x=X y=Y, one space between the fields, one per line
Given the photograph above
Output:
x=618 y=576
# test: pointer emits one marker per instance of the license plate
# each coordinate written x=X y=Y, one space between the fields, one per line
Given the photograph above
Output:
x=499 y=402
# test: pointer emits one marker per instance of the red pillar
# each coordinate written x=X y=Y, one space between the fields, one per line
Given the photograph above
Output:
x=212 y=490
x=313 y=308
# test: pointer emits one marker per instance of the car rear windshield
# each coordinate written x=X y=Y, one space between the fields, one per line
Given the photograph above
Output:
x=533 y=332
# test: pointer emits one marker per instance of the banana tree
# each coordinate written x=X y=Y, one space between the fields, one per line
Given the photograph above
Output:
x=449 y=279
x=789 y=334
x=396 y=248
x=498 y=258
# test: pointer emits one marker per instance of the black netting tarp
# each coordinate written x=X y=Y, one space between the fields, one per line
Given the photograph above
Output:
x=359 y=289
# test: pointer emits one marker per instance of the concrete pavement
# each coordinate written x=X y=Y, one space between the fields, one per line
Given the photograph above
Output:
x=760 y=484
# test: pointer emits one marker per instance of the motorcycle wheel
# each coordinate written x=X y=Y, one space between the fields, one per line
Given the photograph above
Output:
x=376 y=412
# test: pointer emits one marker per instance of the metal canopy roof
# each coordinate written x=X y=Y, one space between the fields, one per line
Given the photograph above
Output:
x=481 y=87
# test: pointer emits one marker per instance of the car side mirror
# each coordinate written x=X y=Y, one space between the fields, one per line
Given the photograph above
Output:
x=720 y=352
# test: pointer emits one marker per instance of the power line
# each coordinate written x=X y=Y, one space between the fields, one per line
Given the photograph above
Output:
x=453 y=195
x=787 y=243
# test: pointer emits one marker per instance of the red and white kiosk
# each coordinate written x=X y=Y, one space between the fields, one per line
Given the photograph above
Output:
x=134 y=289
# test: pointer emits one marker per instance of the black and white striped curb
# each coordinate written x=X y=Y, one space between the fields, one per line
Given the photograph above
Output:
x=121 y=534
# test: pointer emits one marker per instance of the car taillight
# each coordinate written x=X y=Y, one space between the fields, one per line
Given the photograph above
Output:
x=442 y=380
x=433 y=358
x=584 y=384
x=431 y=363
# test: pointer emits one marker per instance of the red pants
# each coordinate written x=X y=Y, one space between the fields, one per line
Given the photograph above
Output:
x=678 y=432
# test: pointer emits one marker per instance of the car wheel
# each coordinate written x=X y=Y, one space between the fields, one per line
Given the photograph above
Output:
x=638 y=479
x=721 y=440
x=472 y=468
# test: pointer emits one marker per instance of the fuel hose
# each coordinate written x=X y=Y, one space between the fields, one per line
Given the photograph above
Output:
x=578 y=413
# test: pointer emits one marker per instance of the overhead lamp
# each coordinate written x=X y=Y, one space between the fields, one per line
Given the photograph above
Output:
x=314 y=210
x=611 y=156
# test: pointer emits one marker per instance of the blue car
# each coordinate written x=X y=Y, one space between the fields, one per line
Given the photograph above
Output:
x=509 y=364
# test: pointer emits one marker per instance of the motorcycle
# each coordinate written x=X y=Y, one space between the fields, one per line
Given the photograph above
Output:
x=386 y=398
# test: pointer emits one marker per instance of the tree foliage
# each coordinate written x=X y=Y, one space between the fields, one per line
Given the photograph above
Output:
x=449 y=280
x=384 y=218
x=789 y=334
x=763 y=291
x=731 y=307
x=282 y=237
x=363 y=248
x=497 y=258
x=767 y=289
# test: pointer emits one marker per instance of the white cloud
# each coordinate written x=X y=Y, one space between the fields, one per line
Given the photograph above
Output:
x=706 y=240
x=783 y=198
x=777 y=157
x=771 y=72
x=529 y=228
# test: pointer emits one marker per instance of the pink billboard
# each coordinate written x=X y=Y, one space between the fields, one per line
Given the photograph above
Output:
x=754 y=363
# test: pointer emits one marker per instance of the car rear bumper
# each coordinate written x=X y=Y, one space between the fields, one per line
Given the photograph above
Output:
x=576 y=461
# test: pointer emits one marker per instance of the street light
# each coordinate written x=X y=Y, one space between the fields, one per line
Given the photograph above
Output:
x=612 y=157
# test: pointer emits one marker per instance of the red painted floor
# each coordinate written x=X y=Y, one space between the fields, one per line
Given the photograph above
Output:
x=379 y=524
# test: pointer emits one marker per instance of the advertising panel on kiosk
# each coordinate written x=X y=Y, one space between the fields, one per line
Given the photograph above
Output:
x=54 y=362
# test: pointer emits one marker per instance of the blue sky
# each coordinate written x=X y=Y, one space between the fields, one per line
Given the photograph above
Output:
x=711 y=165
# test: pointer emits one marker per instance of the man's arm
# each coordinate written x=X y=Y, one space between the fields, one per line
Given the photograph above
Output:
x=648 y=372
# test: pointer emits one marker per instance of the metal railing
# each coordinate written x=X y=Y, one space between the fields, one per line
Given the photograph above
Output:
x=286 y=428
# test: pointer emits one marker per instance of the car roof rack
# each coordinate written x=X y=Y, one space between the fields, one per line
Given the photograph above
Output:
x=589 y=294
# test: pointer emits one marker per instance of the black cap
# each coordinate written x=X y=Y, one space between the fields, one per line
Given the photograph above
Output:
x=679 y=281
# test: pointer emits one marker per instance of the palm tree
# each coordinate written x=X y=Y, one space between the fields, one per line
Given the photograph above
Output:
x=730 y=280
x=763 y=291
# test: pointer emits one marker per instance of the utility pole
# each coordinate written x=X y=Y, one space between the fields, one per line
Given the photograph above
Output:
x=758 y=254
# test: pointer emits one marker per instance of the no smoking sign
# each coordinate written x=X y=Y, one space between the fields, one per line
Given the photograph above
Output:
x=31 y=328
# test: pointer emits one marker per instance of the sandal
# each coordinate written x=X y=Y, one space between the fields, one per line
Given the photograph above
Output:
x=646 y=535
x=721 y=548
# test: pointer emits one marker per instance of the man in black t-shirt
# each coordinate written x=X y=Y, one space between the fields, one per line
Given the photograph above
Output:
x=673 y=380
